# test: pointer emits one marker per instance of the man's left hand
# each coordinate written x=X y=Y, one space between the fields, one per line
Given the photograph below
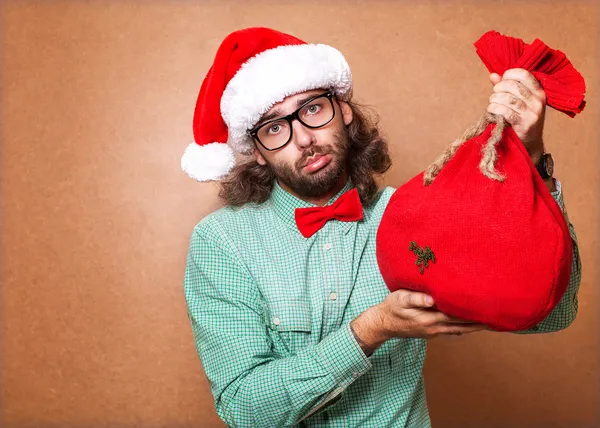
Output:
x=520 y=99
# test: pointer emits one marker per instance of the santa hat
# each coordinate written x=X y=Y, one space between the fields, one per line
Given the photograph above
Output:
x=254 y=69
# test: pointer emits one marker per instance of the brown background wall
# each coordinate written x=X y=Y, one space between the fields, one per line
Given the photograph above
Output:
x=97 y=99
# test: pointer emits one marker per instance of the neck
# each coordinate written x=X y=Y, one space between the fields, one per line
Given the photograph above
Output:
x=322 y=199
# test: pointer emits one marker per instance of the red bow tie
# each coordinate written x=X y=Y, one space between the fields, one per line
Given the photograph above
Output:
x=346 y=208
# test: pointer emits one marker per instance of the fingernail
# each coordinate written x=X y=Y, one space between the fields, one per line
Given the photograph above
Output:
x=429 y=300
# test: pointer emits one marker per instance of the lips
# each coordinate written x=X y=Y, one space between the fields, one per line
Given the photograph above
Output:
x=312 y=159
x=316 y=163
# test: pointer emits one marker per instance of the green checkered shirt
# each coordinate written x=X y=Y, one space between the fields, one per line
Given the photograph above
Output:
x=270 y=312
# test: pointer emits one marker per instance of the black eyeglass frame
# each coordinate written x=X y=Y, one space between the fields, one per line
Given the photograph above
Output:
x=253 y=133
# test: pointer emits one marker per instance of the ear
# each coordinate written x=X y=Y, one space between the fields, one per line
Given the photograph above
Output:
x=346 y=112
x=259 y=157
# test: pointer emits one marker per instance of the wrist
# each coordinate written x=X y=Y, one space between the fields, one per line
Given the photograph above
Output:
x=535 y=149
x=368 y=330
x=550 y=184
x=536 y=156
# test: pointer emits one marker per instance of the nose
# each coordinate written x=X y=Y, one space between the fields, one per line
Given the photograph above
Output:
x=303 y=136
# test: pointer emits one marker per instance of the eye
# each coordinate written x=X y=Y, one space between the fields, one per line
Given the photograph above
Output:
x=313 y=109
x=275 y=128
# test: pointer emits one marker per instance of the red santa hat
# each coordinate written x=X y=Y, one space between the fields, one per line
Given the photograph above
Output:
x=254 y=69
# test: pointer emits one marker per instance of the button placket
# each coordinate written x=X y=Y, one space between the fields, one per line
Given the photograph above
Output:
x=328 y=276
x=331 y=251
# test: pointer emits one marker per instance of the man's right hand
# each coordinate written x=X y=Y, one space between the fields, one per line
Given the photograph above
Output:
x=406 y=313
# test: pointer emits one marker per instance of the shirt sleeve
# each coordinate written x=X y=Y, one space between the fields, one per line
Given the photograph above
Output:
x=251 y=386
x=565 y=312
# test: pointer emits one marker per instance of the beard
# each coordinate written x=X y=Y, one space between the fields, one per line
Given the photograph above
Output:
x=318 y=183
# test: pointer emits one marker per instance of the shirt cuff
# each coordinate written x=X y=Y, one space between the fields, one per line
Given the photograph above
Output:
x=558 y=196
x=341 y=353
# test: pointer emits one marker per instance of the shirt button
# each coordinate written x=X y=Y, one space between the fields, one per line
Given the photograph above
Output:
x=276 y=321
x=333 y=295
x=327 y=247
x=355 y=374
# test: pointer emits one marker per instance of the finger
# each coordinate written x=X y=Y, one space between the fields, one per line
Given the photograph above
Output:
x=457 y=328
x=524 y=77
x=509 y=114
x=521 y=94
x=438 y=317
x=427 y=317
x=517 y=89
x=508 y=100
x=435 y=317
x=414 y=299
x=495 y=78
x=460 y=321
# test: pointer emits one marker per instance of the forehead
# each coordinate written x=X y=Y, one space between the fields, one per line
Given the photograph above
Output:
x=292 y=100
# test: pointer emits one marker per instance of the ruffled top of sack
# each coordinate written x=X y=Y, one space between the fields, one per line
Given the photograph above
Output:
x=562 y=83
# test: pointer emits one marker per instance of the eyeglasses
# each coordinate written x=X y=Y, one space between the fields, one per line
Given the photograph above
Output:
x=314 y=113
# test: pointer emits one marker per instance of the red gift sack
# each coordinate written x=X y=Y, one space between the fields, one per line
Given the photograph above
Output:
x=479 y=231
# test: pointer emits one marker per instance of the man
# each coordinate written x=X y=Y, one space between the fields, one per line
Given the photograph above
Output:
x=292 y=320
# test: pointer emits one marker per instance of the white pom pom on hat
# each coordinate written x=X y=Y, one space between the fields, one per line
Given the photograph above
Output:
x=254 y=69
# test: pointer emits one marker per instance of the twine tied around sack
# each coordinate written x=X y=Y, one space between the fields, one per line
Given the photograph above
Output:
x=490 y=155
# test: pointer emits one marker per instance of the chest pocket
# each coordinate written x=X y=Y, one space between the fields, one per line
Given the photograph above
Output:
x=289 y=326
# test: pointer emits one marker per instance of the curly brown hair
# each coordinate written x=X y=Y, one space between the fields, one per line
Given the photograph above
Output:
x=249 y=182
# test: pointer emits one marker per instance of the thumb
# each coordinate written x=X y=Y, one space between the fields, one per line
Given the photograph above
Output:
x=495 y=78
x=413 y=299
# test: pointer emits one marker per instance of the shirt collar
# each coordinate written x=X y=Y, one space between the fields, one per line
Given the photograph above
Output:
x=285 y=204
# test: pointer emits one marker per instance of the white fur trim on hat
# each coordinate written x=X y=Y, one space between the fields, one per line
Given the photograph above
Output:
x=269 y=77
x=208 y=162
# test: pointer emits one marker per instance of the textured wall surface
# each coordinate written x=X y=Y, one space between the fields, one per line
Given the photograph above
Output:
x=96 y=106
